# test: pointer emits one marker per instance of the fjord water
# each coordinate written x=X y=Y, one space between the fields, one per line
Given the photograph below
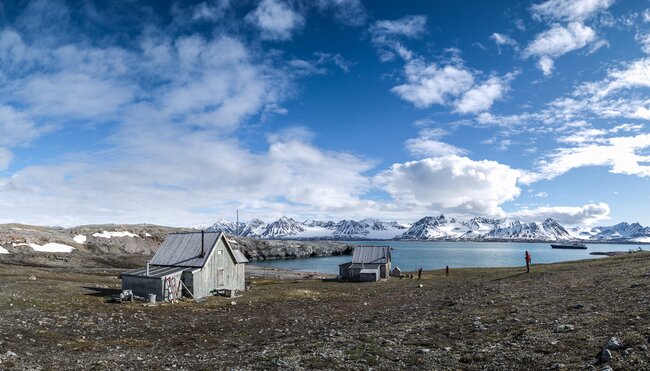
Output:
x=411 y=255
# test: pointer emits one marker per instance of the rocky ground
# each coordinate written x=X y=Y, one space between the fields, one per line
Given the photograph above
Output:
x=579 y=315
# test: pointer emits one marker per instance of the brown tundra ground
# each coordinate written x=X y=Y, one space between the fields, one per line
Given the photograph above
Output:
x=474 y=319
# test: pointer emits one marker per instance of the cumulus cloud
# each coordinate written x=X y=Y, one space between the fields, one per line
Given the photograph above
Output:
x=450 y=84
x=481 y=97
x=429 y=143
x=567 y=215
x=559 y=40
x=452 y=183
x=429 y=84
x=644 y=40
x=569 y=10
x=276 y=19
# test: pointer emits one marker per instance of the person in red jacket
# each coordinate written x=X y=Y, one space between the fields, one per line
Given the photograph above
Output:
x=527 y=262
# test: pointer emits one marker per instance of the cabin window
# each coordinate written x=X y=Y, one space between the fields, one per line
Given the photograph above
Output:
x=219 y=252
x=220 y=277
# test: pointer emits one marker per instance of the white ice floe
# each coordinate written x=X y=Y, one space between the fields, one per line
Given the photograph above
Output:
x=3 y=250
x=106 y=234
x=48 y=247
x=80 y=238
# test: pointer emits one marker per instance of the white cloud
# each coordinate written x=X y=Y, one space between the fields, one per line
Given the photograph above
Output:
x=569 y=10
x=276 y=19
x=644 y=40
x=431 y=84
x=567 y=215
x=623 y=155
x=348 y=12
x=428 y=144
x=387 y=33
x=452 y=183
x=502 y=40
x=481 y=97
x=646 y=15
x=210 y=11
x=559 y=40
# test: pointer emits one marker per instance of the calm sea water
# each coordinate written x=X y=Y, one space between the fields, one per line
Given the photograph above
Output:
x=411 y=255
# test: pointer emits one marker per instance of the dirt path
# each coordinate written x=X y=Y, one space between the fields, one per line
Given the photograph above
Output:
x=558 y=316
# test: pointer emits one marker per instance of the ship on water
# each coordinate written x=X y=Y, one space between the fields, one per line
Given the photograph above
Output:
x=573 y=245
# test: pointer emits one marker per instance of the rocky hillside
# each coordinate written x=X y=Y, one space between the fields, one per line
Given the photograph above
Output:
x=114 y=240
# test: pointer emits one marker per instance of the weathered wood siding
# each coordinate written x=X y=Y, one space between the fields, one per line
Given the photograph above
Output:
x=209 y=278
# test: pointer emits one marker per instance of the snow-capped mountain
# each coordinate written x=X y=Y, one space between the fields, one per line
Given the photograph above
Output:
x=283 y=227
x=549 y=230
x=433 y=228
x=620 y=232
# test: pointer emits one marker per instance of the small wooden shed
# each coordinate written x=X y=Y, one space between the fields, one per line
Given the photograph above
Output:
x=196 y=263
x=369 y=263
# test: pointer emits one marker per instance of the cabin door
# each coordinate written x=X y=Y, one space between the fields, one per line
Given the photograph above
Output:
x=220 y=282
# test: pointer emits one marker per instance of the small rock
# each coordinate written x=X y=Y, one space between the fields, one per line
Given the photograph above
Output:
x=606 y=368
x=628 y=351
x=635 y=284
x=577 y=306
x=424 y=351
x=613 y=344
x=606 y=355
x=10 y=354
x=558 y=366
x=233 y=303
x=564 y=328
x=32 y=278
x=420 y=285
x=447 y=349
x=364 y=303
x=642 y=347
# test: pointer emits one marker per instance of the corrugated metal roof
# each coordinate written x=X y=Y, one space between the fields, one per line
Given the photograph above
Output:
x=239 y=256
x=184 y=249
x=371 y=254
x=154 y=271
x=364 y=265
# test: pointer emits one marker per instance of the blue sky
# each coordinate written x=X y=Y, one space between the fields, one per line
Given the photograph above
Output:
x=179 y=113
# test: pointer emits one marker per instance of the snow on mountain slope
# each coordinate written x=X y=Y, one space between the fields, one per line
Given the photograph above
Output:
x=283 y=227
x=433 y=228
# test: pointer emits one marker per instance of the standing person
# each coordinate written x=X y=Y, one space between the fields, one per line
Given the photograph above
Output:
x=420 y=273
x=447 y=271
x=527 y=262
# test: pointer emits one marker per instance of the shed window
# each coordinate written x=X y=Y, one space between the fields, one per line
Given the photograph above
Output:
x=219 y=252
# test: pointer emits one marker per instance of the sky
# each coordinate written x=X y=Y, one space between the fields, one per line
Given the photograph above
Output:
x=181 y=112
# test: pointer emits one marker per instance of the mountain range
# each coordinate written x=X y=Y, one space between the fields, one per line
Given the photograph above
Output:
x=431 y=228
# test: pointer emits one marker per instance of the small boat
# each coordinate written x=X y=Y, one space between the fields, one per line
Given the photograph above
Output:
x=574 y=245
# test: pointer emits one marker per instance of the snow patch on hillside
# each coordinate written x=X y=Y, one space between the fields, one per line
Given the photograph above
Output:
x=106 y=234
x=80 y=238
x=48 y=247
x=3 y=250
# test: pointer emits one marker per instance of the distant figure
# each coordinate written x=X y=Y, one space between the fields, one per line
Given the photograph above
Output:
x=527 y=262
x=447 y=271
x=411 y=276
x=420 y=273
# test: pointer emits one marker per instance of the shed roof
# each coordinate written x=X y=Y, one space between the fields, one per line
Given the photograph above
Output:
x=184 y=249
x=371 y=254
x=154 y=271
x=364 y=266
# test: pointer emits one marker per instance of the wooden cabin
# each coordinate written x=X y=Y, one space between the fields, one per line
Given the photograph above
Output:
x=369 y=263
x=194 y=264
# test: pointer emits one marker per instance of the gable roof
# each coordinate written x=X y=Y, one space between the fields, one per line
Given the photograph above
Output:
x=184 y=249
x=371 y=254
